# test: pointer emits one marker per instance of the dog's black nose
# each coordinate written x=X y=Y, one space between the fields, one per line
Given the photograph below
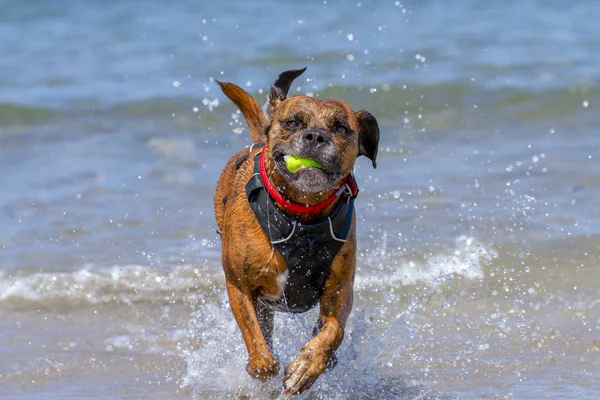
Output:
x=316 y=137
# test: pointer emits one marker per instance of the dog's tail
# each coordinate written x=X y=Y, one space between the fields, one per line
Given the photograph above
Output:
x=254 y=115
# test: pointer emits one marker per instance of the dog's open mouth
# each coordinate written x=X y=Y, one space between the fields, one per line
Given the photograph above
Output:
x=306 y=172
x=295 y=166
x=295 y=163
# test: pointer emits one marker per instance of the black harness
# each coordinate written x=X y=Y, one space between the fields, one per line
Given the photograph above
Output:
x=308 y=249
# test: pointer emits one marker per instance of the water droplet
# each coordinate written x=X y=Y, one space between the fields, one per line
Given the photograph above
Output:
x=350 y=36
x=210 y=104
x=176 y=84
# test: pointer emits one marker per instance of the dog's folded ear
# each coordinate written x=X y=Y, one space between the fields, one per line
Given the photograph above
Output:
x=254 y=115
x=368 y=136
x=281 y=86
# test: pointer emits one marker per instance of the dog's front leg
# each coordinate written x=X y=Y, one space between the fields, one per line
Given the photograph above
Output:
x=262 y=364
x=266 y=321
x=336 y=304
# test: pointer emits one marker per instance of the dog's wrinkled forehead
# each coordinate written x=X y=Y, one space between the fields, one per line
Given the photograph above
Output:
x=313 y=112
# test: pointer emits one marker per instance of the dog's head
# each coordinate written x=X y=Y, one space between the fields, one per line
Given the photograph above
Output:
x=327 y=131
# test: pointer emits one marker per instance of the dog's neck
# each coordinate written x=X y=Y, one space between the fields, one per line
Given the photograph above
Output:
x=300 y=206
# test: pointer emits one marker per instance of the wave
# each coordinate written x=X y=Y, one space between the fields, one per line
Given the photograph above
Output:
x=129 y=284
x=16 y=114
x=467 y=259
x=439 y=104
x=97 y=285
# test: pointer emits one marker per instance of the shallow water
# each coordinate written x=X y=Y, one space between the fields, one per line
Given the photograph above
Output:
x=479 y=232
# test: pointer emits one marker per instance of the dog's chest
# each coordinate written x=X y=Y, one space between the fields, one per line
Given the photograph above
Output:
x=280 y=283
x=308 y=259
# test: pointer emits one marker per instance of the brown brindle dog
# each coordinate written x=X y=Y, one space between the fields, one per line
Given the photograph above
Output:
x=313 y=211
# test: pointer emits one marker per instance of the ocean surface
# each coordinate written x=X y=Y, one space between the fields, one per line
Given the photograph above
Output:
x=479 y=232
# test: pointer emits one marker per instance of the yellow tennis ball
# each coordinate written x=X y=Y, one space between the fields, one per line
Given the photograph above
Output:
x=295 y=163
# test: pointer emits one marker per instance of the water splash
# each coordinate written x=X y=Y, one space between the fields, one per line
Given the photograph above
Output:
x=216 y=364
x=375 y=342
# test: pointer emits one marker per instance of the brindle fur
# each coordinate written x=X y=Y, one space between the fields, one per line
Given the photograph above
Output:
x=251 y=265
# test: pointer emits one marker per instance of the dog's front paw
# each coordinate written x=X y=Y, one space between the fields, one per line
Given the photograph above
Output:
x=304 y=370
x=263 y=368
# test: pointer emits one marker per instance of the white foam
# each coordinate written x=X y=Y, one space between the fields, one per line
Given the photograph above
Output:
x=127 y=283
x=466 y=259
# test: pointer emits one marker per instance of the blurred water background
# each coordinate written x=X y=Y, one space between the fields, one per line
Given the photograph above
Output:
x=479 y=232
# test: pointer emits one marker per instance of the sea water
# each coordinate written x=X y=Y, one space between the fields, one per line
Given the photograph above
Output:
x=478 y=268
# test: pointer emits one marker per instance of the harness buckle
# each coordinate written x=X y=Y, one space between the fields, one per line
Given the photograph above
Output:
x=346 y=190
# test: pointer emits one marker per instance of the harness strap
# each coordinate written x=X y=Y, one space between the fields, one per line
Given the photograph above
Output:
x=308 y=249
x=280 y=228
x=240 y=160
x=244 y=156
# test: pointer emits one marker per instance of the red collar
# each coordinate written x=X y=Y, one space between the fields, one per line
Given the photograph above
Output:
x=347 y=184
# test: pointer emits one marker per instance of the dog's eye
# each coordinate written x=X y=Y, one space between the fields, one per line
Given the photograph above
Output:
x=292 y=124
x=341 y=130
